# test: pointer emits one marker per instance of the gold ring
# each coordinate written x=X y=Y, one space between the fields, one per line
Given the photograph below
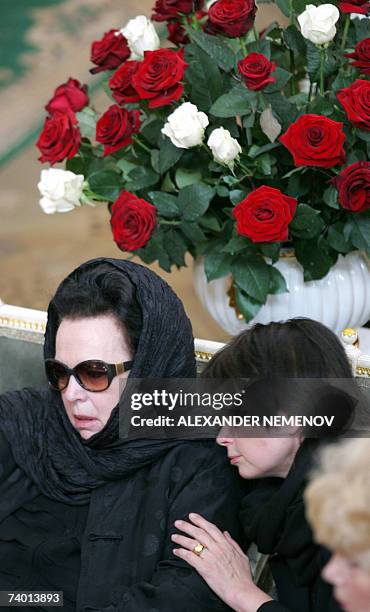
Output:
x=198 y=549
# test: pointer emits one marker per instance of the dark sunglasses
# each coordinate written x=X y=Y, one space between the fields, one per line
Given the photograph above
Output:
x=92 y=375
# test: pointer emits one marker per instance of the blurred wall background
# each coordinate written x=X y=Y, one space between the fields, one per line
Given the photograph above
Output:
x=42 y=43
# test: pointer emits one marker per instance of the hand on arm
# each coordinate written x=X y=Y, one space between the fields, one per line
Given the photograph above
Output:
x=222 y=563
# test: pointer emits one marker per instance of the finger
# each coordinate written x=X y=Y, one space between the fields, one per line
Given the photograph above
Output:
x=233 y=542
x=198 y=534
x=185 y=542
x=209 y=527
x=190 y=558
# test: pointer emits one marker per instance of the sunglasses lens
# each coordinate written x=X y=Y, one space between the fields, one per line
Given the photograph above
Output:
x=93 y=375
x=57 y=375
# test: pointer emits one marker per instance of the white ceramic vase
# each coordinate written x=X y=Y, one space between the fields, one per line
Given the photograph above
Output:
x=341 y=299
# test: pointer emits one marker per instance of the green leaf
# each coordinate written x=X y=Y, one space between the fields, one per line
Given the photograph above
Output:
x=217 y=265
x=363 y=135
x=359 y=226
x=252 y=275
x=255 y=150
x=154 y=159
x=210 y=222
x=151 y=131
x=337 y=240
x=282 y=77
x=239 y=101
x=169 y=155
x=203 y=69
x=237 y=244
x=126 y=167
x=330 y=197
x=277 y=281
x=76 y=164
x=284 y=7
x=87 y=119
x=264 y=164
x=192 y=232
x=185 y=177
x=237 y=195
x=298 y=184
x=175 y=246
x=307 y=222
x=270 y=250
x=106 y=183
x=216 y=48
x=194 y=200
x=248 y=307
x=285 y=112
x=141 y=177
x=361 y=28
x=166 y=204
x=294 y=40
x=314 y=259
x=154 y=250
x=168 y=184
x=222 y=191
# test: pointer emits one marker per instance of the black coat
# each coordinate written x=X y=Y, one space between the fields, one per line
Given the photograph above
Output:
x=273 y=517
x=127 y=564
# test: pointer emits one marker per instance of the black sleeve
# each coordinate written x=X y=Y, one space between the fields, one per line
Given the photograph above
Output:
x=212 y=490
x=272 y=606
x=15 y=486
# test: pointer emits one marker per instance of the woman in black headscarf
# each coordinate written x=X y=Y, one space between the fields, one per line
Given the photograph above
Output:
x=81 y=510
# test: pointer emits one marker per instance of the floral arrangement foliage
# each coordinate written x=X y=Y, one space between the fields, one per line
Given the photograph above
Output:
x=223 y=142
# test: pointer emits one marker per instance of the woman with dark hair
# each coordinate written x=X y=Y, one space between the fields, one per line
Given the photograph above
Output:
x=273 y=512
x=81 y=510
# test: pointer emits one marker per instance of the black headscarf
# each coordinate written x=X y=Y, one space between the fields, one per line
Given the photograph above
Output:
x=43 y=441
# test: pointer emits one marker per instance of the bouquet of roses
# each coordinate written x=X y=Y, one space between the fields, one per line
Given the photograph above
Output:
x=223 y=142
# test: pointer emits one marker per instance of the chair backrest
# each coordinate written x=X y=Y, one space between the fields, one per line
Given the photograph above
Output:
x=22 y=335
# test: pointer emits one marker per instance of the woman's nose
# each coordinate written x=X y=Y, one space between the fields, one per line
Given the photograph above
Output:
x=223 y=439
x=73 y=390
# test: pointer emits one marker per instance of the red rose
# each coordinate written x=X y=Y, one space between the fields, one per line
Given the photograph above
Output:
x=264 y=215
x=121 y=83
x=133 y=221
x=171 y=9
x=70 y=97
x=177 y=33
x=355 y=6
x=314 y=140
x=355 y=100
x=59 y=139
x=109 y=52
x=232 y=18
x=353 y=185
x=159 y=75
x=361 y=55
x=116 y=128
x=255 y=70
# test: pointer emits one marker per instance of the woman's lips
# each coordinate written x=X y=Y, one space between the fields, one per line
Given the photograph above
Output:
x=84 y=422
x=234 y=459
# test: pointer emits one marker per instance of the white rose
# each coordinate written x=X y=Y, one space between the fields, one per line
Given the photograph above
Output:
x=224 y=147
x=61 y=190
x=141 y=36
x=318 y=23
x=185 y=126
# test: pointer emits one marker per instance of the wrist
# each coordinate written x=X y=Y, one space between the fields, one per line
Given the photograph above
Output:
x=249 y=599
